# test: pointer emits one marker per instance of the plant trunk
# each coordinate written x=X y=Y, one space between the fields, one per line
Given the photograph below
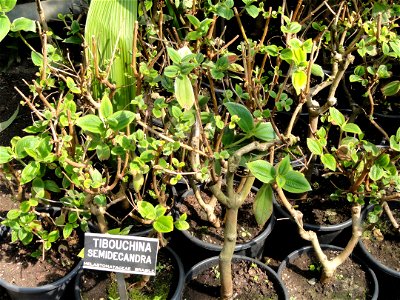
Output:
x=225 y=257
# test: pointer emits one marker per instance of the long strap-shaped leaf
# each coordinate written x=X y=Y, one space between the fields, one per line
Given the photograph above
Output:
x=111 y=24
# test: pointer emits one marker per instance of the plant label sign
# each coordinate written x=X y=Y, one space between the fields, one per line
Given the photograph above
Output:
x=120 y=253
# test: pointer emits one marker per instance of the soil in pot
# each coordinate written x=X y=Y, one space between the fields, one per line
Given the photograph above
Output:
x=382 y=240
x=301 y=277
x=201 y=228
x=250 y=282
x=18 y=267
x=318 y=207
x=96 y=285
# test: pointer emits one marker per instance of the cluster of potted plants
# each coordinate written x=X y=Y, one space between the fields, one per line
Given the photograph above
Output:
x=210 y=118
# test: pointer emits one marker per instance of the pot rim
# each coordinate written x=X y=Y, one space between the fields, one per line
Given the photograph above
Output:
x=356 y=259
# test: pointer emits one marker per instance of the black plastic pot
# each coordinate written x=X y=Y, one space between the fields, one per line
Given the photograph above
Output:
x=201 y=250
x=175 y=290
x=388 y=278
x=213 y=261
x=309 y=249
x=326 y=233
x=371 y=261
x=52 y=291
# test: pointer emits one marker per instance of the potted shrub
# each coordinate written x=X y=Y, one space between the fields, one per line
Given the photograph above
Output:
x=84 y=161
x=363 y=164
x=380 y=222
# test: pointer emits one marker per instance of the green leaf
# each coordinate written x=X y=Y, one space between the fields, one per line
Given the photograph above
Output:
x=53 y=236
x=30 y=172
x=193 y=20
x=5 y=26
x=252 y=10
x=263 y=204
x=184 y=91
x=317 y=70
x=181 y=223
x=72 y=86
x=295 y=182
x=291 y=27
x=51 y=186
x=67 y=230
x=174 y=55
x=91 y=123
x=13 y=214
x=37 y=58
x=25 y=236
x=146 y=210
x=23 y=24
x=392 y=88
x=5 y=154
x=287 y=55
x=81 y=253
x=60 y=220
x=72 y=216
x=352 y=128
x=265 y=132
x=246 y=122
x=27 y=142
x=164 y=224
x=383 y=160
x=376 y=172
x=262 y=170
x=106 y=108
x=24 y=206
x=103 y=151
x=6 y=123
x=299 y=80
x=123 y=118
x=38 y=187
x=100 y=200
x=7 y=5
x=314 y=146
x=172 y=71
x=97 y=179
x=336 y=116
x=160 y=210
x=329 y=161
x=283 y=166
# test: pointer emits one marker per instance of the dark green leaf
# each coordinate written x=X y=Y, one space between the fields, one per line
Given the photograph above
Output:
x=51 y=186
x=263 y=204
x=295 y=182
x=246 y=122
